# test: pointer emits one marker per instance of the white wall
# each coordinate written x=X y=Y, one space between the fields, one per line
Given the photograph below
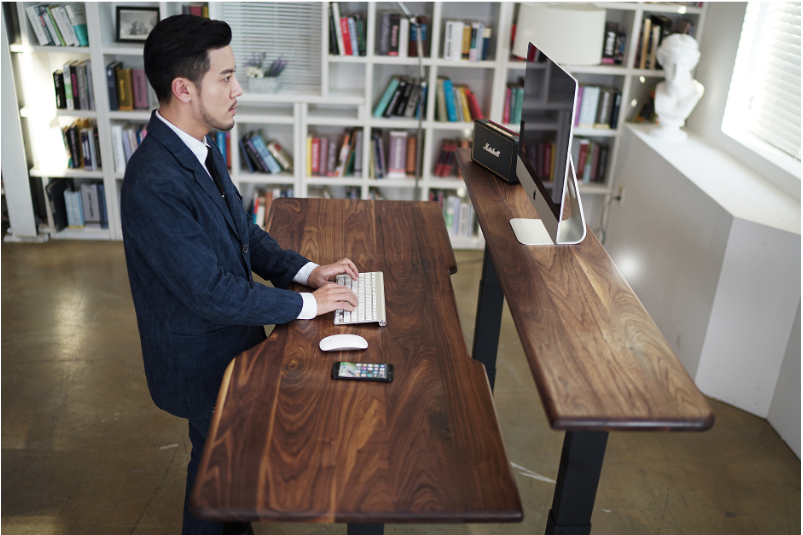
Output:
x=784 y=412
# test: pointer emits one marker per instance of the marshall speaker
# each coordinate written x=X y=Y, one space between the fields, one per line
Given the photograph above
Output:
x=496 y=148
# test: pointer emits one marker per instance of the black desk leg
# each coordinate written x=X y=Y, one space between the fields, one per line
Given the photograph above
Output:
x=365 y=529
x=489 y=318
x=576 y=488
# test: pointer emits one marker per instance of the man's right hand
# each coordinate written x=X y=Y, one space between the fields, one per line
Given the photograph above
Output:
x=332 y=296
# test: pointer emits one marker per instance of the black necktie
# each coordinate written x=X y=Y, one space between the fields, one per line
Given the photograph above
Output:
x=210 y=165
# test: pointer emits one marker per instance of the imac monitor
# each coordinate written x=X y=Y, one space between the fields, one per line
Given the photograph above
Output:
x=544 y=165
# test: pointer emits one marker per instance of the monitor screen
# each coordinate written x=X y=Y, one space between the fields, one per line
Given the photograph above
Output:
x=547 y=118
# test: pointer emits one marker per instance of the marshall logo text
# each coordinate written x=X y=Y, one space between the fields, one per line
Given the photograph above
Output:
x=488 y=148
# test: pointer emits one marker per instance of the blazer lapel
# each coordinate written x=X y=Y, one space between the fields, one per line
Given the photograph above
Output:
x=188 y=160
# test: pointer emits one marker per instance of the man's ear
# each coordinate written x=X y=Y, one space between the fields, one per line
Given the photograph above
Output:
x=183 y=89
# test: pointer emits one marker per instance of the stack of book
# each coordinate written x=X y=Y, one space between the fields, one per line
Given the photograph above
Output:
x=590 y=159
x=514 y=97
x=468 y=41
x=456 y=103
x=128 y=88
x=613 y=45
x=401 y=155
x=126 y=138
x=346 y=33
x=77 y=206
x=261 y=203
x=597 y=107
x=397 y=37
x=223 y=142
x=199 y=10
x=81 y=145
x=444 y=165
x=264 y=155
x=335 y=158
x=403 y=97
x=59 y=25
x=73 y=85
x=458 y=213
x=653 y=31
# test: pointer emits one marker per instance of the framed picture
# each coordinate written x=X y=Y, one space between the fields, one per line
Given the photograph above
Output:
x=135 y=23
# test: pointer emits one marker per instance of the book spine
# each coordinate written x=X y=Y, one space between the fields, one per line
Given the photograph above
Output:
x=55 y=36
x=281 y=155
x=86 y=148
x=96 y=147
x=315 y=157
x=396 y=99
x=411 y=154
x=220 y=141
x=104 y=216
x=323 y=155
x=74 y=85
x=360 y=26
x=331 y=159
x=111 y=83
x=125 y=100
x=487 y=33
x=58 y=83
x=384 y=34
x=246 y=157
x=63 y=23
x=394 y=34
x=90 y=90
x=89 y=203
x=344 y=154
x=344 y=30
x=617 y=104
x=338 y=29
x=118 y=153
x=260 y=164
x=355 y=48
x=140 y=89
x=83 y=91
x=265 y=154
x=390 y=90
x=36 y=25
x=358 y=153
x=77 y=16
x=448 y=93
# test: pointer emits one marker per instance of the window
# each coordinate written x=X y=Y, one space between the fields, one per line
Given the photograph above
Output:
x=764 y=100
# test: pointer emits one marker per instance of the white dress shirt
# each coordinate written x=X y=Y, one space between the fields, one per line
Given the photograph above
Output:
x=200 y=149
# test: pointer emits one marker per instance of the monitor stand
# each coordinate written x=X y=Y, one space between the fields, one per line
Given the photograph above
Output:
x=570 y=231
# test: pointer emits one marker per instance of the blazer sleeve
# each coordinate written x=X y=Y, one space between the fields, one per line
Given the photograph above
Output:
x=270 y=261
x=162 y=224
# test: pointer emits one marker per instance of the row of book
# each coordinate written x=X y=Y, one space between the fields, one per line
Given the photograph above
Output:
x=264 y=155
x=223 y=142
x=199 y=10
x=470 y=41
x=82 y=145
x=126 y=138
x=398 y=37
x=590 y=159
x=456 y=103
x=403 y=97
x=73 y=85
x=59 y=25
x=260 y=205
x=128 y=87
x=445 y=162
x=335 y=158
x=514 y=99
x=613 y=45
x=597 y=107
x=458 y=213
x=346 y=33
x=654 y=30
x=77 y=206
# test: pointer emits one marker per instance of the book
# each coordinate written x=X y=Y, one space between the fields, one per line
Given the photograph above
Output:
x=382 y=162
x=90 y=90
x=323 y=155
x=258 y=163
x=309 y=154
x=655 y=40
x=139 y=86
x=469 y=37
x=617 y=104
x=332 y=34
x=344 y=31
x=75 y=215
x=412 y=100
x=467 y=116
x=359 y=23
x=220 y=141
x=58 y=83
x=609 y=43
x=55 y=196
x=588 y=107
x=59 y=14
x=620 y=47
x=96 y=147
x=50 y=25
x=355 y=47
x=281 y=155
x=264 y=152
x=118 y=153
x=384 y=33
x=604 y=108
x=397 y=152
x=603 y=163
x=516 y=115
x=401 y=105
x=341 y=47
x=77 y=15
x=395 y=25
x=104 y=216
x=487 y=34
x=87 y=148
x=411 y=156
x=358 y=142
x=83 y=91
x=506 y=106
x=89 y=204
x=646 y=32
x=331 y=159
x=394 y=100
x=246 y=156
x=345 y=148
x=451 y=111
x=390 y=90
x=423 y=24
x=111 y=83
x=440 y=97
x=69 y=91
x=314 y=166
x=37 y=26
x=125 y=98
x=404 y=37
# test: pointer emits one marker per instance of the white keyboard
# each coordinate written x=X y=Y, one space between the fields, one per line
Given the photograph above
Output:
x=370 y=292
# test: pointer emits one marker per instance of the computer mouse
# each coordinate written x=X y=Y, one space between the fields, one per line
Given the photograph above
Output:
x=343 y=342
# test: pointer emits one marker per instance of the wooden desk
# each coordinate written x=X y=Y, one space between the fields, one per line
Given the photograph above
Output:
x=288 y=443
x=599 y=361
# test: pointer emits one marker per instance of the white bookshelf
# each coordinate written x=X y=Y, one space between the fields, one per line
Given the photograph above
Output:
x=350 y=88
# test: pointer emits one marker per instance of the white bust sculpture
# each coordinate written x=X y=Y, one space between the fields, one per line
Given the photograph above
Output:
x=677 y=95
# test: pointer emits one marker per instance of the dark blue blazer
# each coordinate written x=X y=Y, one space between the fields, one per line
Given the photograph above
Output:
x=190 y=254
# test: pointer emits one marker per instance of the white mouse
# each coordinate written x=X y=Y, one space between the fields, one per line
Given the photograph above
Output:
x=343 y=342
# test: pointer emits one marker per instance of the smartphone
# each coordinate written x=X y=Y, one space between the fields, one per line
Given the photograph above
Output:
x=362 y=371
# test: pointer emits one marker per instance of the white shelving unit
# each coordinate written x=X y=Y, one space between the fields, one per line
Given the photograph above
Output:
x=350 y=88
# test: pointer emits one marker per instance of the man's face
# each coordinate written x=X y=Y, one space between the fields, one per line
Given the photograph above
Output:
x=219 y=90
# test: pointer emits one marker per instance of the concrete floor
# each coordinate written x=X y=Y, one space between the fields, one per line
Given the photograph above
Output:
x=85 y=451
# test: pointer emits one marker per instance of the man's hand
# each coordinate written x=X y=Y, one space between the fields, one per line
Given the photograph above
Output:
x=332 y=296
x=321 y=274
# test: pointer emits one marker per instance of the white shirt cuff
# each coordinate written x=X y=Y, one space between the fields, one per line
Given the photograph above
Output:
x=310 y=307
x=303 y=274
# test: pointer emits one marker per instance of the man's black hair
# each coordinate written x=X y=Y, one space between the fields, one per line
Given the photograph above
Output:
x=178 y=47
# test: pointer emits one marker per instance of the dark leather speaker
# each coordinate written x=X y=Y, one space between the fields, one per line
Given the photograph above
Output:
x=496 y=148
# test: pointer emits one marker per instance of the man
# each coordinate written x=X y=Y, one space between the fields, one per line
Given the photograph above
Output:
x=190 y=247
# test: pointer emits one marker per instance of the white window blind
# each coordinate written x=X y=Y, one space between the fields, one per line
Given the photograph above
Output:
x=289 y=30
x=764 y=96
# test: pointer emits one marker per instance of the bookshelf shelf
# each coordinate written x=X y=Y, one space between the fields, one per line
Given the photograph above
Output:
x=349 y=89
x=86 y=233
